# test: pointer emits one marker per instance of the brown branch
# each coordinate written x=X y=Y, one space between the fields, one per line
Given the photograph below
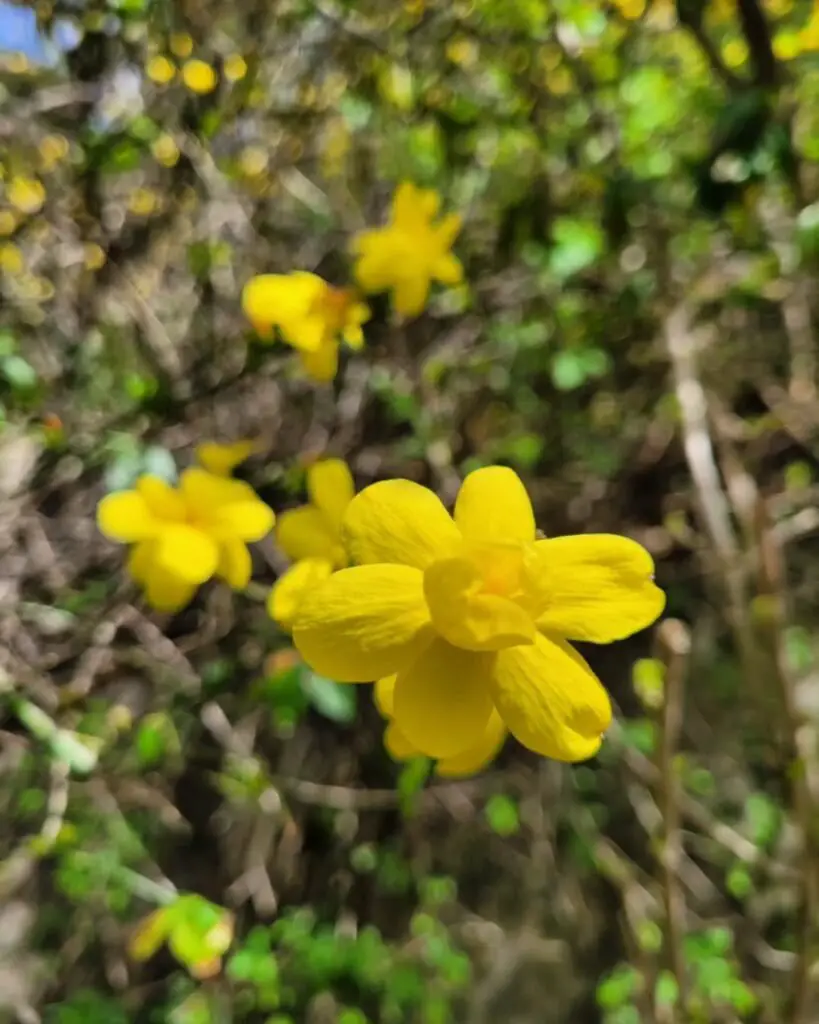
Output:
x=674 y=647
x=758 y=37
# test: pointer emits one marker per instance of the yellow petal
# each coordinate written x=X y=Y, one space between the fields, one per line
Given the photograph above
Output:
x=222 y=459
x=595 y=587
x=248 y=520
x=550 y=700
x=308 y=333
x=363 y=623
x=305 y=533
x=492 y=504
x=398 y=746
x=186 y=553
x=399 y=521
x=442 y=703
x=447 y=229
x=163 y=500
x=149 y=935
x=321 y=365
x=410 y=294
x=384 y=693
x=275 y=298
x=235 y=565
x=375 y=268
x=478 y=757
x=166 y=592
x=448 y=270
x=229 y=508
x=141 y=560
x=290 y=589
x=126 y=517
x=466 y=616
x=331 y=489
x=411 y=205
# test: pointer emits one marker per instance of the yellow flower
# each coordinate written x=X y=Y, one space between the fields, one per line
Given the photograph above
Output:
x=310 y=536
x=411 y=251
x=11 y=259
x=467 y=763
x=199 y=76
x=53 y=149
x=26 y=194
x=310 y=315
x=165 y=150
x=160 y=70
x=235 y=67
x=180 y=44
x=222 y=459
x=473 y=614
x=184 y=535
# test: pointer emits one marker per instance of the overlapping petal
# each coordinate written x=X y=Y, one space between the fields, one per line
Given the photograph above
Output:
x=363 y=623
x=442 y=701
x=125 y=516
x=331 y=489
x=401 y=522
x=471 y=761
x=235 y=565
x=273 y=299
x=595 y=587
x=550 y=699
x=166 y=592
x=222 y=459
x=492 y=505
x=305 y=533
x=164 y=501
x=186 y=553
x=321 y=365
x=410 y=293
x=293 y=586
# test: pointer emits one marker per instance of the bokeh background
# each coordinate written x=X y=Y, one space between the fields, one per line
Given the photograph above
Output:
x=636 y=336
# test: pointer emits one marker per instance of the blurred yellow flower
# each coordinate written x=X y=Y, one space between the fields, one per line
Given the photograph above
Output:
x=473 y=614
x=26 y=194
x=160 y=70
x=631 y=9
x=469 y=763
x=310 y=536
x=253 y=161
x=8 y=223
x=165 y=150
x=182 y=536
x=222 y=459
x=53 y=149
x=411 y=251
x=735 y=53
x=235 y=67
x=143 y=202
x=180 y=44
x=11 y=259
x=199 y=76
x=311 y=315
x=198 y=933
x=94 y=256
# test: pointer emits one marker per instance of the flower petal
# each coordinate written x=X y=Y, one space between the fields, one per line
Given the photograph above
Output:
x=447 y=230
x=291 y=587
x=321 y=365
x=411 y=205
x=410 y=293
x=222 y=459
x=492 y=504
x=478 y=757
x=164 y=501
x=275 y=298
x=375 y=267
x=305 y=533
x=125 y=517
x=235 y=565
x=442 y=703
x=228 y=508
x=167 y=593
x=186 y=553
x=595 y=587
x=307 y=333
x=466 y=616
x=243 y=520
x=363 y=623
x=384 y=694
x=331 y=488
x=399 y=521
x=398 y=746
x=550 y=700
x=141 y=560
x=448 y=269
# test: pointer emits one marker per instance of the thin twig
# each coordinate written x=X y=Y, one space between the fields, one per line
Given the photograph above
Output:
x=674 y=643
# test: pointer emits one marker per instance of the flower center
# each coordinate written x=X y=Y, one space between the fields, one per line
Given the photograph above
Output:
x=333 y=306
x=476 y=599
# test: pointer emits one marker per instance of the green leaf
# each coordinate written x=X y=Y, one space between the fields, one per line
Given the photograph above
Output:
x=738 y=881
x=19 y=373
x=620 y=986
x=331 y=699
x=763 y=817
x=577 y=245
x=160 y=463
x=667 y=991
x=502 y=814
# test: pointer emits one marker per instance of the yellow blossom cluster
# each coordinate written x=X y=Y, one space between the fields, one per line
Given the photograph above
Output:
x=464 y=621
x=402 y=257
x=199 y=76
